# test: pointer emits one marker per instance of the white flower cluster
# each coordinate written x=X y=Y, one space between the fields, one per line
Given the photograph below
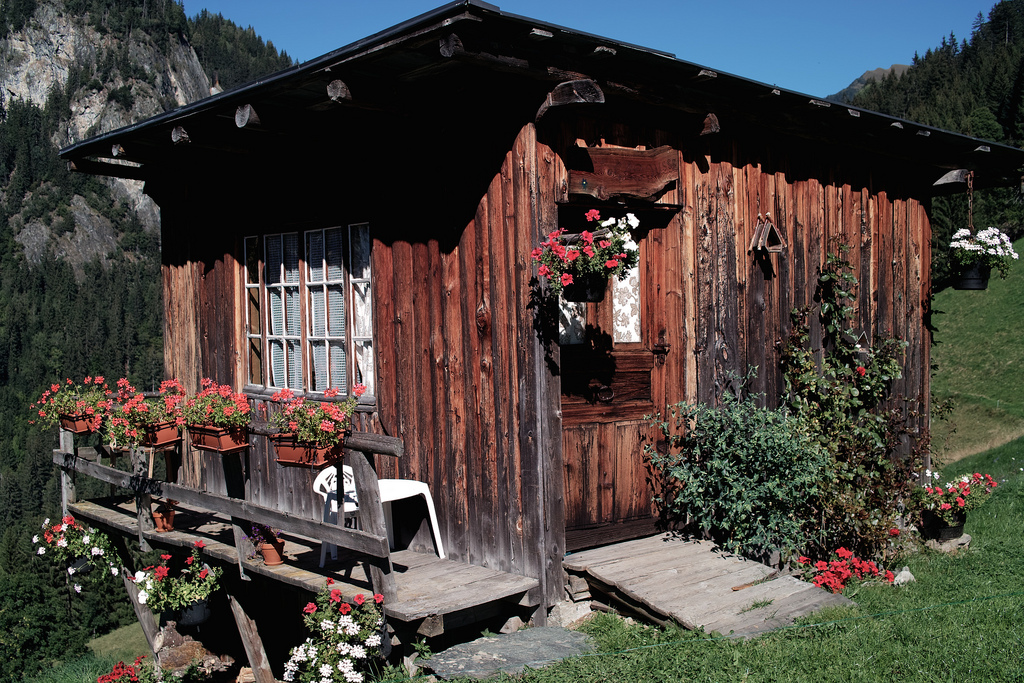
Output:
x=302 y=653
x=988 y=242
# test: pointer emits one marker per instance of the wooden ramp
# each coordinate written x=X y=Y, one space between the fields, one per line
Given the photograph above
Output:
x=695 y=584
x=434 y=594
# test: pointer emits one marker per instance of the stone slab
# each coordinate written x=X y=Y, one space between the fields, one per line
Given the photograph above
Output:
x=509 y=653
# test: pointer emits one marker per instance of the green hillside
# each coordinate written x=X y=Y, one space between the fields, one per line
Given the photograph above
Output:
x=979 y=353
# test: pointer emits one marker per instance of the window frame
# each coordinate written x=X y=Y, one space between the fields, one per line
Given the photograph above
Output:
x=259 y=336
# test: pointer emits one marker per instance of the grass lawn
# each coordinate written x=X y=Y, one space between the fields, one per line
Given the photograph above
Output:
x=979 y=351
x=963 y=620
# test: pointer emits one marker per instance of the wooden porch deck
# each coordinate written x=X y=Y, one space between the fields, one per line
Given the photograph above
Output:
x=666 y=578
x=434 y=594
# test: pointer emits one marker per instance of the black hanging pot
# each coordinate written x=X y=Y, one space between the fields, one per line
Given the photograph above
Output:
x=586 y=288
x=975 y=277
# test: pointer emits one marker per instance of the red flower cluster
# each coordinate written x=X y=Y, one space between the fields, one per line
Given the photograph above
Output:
x=216 y=404
x=560 y=263
x=835 y=574
x=88 y=398
x=127 y=423
x=322 y=424
x=123 y=673
x=959 y=493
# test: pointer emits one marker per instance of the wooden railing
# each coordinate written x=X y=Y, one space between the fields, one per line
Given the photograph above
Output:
x=360 y=447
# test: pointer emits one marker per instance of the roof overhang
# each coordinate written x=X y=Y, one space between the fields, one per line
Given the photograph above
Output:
x=469 y=44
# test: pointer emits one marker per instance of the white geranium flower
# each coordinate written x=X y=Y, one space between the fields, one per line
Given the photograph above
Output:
x=35 y=539
x=71 y=571
x=41 y=551
x=62 y=543
x=373 y=640
x=633 y=221
x=113 y=570
x=46 y=522
x=143 y=596
x=139 y=575
x=96 y=550
x=78 y=588
x=85 y=540
x=358 y=652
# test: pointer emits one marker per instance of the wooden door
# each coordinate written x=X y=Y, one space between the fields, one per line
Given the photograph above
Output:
x=611 y=355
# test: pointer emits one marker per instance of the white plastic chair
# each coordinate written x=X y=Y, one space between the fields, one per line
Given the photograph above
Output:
x=326 y=485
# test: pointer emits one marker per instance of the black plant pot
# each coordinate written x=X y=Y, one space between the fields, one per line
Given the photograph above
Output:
x=586 y=288
x=975 y=277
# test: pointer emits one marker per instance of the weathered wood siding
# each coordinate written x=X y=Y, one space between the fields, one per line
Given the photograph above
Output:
x=727 y=308
x=462 y=376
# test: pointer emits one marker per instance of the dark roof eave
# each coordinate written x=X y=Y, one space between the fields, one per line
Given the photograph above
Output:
x=791 y=101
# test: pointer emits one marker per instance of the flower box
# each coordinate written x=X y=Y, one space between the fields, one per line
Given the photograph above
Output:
x=78 y=423
x=219 y=439
x=161 y=434
x=294 y=453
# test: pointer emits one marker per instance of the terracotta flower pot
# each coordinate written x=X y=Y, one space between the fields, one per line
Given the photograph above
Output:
x=219 y=439
x=78 y=423
x=272 y=552
x=294 y=453
x=161 y=434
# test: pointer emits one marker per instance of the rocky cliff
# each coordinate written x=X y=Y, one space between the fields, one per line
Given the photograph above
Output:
x=109 y=79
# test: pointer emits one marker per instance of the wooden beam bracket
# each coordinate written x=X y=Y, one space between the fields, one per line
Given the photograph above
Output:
x=579 y=91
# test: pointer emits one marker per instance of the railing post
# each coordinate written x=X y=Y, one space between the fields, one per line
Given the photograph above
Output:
x=68 y=494
x=371 y=516
x=143 y=501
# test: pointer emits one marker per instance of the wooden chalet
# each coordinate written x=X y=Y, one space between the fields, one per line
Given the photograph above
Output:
x=369 y=215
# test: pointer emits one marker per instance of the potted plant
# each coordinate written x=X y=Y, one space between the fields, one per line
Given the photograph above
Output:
x=136 y=420
x=944 y=508
x=186 y=590
x=579 y=266
x=312 y=431
x=76 y=546
x=268 y=543
x=346 y=638
x=217 y=418
x=78 y=408
x=978 y=254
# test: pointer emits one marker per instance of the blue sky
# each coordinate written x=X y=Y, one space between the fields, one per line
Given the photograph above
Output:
x=812 y=46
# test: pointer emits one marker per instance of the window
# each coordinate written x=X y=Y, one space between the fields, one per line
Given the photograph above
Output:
x=309 y=313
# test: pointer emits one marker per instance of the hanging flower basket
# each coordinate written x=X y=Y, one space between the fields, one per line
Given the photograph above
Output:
x=161 y=434
x=975 y=277
x=578 y=266
x=219 y=439
x=294 y=453
x=586 y=288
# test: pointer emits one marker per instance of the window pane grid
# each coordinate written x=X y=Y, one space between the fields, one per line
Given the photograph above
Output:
x=326 y=332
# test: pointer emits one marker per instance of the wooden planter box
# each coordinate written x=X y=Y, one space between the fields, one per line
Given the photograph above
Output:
x=161 y=434
x=219 y=439
x=78 y=423
x=294 y=453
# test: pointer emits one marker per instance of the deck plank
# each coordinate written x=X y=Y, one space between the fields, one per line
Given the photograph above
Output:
x=692 y=583
x=427 y=585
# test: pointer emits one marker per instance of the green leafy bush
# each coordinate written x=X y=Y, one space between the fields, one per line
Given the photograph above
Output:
x=746 y=476
x=841 y=390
